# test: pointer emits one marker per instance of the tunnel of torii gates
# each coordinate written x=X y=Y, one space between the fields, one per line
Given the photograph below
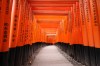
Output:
x=72 y=25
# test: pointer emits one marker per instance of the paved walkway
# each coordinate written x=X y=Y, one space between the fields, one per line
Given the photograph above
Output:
x=50 y=56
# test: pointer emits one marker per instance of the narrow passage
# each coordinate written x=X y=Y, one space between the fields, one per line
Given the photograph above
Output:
x=50 y=56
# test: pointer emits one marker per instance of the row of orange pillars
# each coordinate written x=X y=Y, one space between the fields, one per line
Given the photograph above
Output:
x=27 y=25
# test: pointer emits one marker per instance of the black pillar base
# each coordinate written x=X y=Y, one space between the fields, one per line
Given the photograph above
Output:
x=4 y=58
x=12 y=52
x=97 y=51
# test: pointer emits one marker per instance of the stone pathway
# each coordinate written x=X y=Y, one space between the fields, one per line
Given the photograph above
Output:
x=50 y=56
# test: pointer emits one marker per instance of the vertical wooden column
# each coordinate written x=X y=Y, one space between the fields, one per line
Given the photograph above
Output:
x=95 y=22
x=20 y=44
x=79 y=27
x=74 y=37
x=14 y=25
x=1 y=21
x=88 y=22
x=84 y=30
x=79 y=43
x=69 y=28
x=5 y=23
x=14 y=31
x=74 y=24
x=95 y=15
x=90 y=32
x=83 y=23
x=2 y=14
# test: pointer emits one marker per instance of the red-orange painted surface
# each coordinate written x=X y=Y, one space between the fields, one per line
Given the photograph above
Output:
x=69 y=21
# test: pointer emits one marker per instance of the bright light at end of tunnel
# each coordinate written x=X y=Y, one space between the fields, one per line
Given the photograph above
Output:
x=51 y=34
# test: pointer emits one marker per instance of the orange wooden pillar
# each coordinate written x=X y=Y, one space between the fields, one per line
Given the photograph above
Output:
x=20 y=34
x=84 y=31
x=88 y=22
x=83 y=23
x=14 y=31
x=5 y=22
x=6 y=25
x=74 y=37
x=90 y=35
x=1 y=20
x=25 y=34
x=73 y=26
x=79 y=37
x=79 y=27
x=95 y=21
x=21 y=24
x=70 y=27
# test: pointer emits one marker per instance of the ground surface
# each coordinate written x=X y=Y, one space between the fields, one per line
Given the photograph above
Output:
x=50 y=56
